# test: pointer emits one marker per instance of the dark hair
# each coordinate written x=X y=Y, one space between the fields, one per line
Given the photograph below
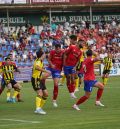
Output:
x=73 y=37
x=39 y=53
x=7 y=58
x=57 y=45
x=89 y=52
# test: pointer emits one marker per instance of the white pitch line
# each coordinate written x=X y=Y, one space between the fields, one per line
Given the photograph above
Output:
x=23 y=121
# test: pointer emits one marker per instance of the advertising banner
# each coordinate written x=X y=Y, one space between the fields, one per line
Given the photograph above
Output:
x=115 y=71
x=61 y=1
x=13 y=1
x=108 y=0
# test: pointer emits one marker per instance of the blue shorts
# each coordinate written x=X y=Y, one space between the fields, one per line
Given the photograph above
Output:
x=80 y=75
x=88 y=85
x=69 y=70
x=55 y=73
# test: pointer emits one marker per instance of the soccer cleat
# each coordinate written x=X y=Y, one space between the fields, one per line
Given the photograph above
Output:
x=76 y=107
x=40 y=111
x=98 y=103
x=13 y=100
x=55 y=104
x=73 y=95
x=9 y=100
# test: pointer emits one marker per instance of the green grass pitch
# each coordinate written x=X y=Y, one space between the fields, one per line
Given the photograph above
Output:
x=21 y=115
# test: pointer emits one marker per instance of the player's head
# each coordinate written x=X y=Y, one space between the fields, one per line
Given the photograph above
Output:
x=10 y=56
x=7 y=59
x=57 y=47
x=39 y=53
x=89 y=52
x=80 y=43
x=73 y=39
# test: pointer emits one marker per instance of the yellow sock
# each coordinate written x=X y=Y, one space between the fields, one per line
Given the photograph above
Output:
x=105 y=80
x=76 y=83
x=8 y=93
x=63 y=79
x=43 y=100
x=38 y=102
x=15 y=94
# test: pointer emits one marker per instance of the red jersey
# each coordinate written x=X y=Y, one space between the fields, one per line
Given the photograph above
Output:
x=88 y=67
x=73 y=54
x=57 y=59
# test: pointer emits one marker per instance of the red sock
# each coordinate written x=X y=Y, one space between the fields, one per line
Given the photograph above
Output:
x=55 y=92
x=99 y=94
x=72 y=87
x=1 y=90
x=81 y=100
x=18 y=96
x=69 y=86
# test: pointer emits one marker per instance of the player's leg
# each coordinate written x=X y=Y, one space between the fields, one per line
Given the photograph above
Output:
x=9 y=87
x=56 y=74
x=55 y=91
x=105 y=77
x=72 y=85
x=82 y=100
x=76 y=83
x=62 y=80
x=88 y=86
x=2 y=85
x=36 y=86
x=17 y=88
x=100 y=87
x=43 y=97
x=80 y=79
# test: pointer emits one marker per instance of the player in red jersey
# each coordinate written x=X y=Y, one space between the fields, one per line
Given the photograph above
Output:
x=55 y=60
x=71 y=59
x=90 y=81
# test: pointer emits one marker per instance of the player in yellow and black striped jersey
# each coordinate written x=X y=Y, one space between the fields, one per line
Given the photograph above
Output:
x=38 y=81
x=108 y=63
x=8 y=69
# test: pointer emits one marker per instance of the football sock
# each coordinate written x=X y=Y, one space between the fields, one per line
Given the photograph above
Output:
x=105 y=80
x=99 y=94
x=69 y=86
x=63 y=79
x=43 y=100
x=38 y=102
x=8 y=94
x=1 y=90
x=72 y=87
x=55 y=92
x=15 y=94
x=18 y=96
x=81 y=100
x=76 y=83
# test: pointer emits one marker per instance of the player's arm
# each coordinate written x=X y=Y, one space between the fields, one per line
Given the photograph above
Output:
x=37 y=67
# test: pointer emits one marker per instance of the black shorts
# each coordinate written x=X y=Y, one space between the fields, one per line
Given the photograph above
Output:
x=106 y=72
x=37 y=84
x=13 y=82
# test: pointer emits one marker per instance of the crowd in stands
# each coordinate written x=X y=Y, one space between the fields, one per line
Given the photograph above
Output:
x=23 y=43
